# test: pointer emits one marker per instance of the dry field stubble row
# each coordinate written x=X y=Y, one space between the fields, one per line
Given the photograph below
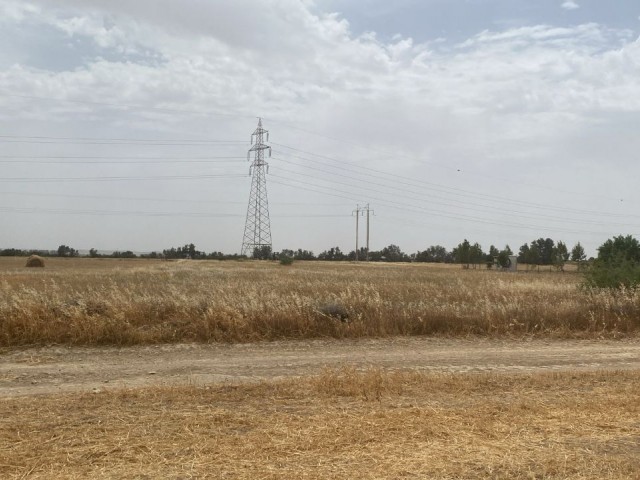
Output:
x=338 y=424
x=88 y=302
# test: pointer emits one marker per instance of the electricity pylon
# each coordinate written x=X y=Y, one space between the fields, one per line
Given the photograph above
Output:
x=257 y=228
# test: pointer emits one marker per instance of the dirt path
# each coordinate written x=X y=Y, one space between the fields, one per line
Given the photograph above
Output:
x=71 y=369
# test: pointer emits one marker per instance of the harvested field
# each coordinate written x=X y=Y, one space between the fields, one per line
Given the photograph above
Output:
x=336 y=424
x=100 y=301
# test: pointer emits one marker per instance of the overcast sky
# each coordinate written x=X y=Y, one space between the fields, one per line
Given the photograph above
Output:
x=126 y=125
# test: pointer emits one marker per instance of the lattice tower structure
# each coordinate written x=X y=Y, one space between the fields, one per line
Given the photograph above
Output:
x=257 y=229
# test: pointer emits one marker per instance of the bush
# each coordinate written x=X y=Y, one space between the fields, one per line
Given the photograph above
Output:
x=617 y=265
x=285 y=260
x=613 y=274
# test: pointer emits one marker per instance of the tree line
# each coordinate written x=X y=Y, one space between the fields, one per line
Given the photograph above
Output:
x=543 y=251
x=617 y=264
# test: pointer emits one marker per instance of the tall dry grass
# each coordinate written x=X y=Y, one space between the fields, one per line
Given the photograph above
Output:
x=339 y=424
x=83 y=301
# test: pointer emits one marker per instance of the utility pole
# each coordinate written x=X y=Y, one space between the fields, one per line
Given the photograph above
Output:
x=357 y=214
x=257 y=229
x=369 y=211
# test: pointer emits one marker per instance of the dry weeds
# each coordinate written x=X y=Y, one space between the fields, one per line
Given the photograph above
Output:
x=89 y=302
x=339 y=424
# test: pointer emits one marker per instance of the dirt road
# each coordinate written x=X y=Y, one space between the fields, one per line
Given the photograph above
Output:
x=72 y=369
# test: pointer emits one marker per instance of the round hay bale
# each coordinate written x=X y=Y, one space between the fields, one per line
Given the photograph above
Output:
x=35 y=261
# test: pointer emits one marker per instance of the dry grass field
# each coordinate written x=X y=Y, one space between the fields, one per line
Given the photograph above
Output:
x=339 y=424
x=126 y=302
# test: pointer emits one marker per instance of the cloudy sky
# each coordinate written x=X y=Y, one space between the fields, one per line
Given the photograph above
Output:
x=126 y=125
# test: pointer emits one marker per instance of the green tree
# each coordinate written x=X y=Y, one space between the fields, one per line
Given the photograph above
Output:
x=577 y=253
x=462 y=253
x=618 y=248
x=476 y=254
x=11 y=252
x=492 y=256
x=617 y=265
x=560 y=255
x=187 y=251
x=533 y=256
x=126 y=254
x=393 y=253
x=262 y=253
x=66 y=251
x=503 y=257
x=433 y=254
x=301 y=254
x=332 y=254
x=544 y=247
x=523 y=253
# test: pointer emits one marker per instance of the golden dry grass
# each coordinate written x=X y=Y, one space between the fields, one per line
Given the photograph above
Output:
x=103 y=301
x=338 y=424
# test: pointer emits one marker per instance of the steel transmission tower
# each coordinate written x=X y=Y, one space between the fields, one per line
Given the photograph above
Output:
x=257 y=228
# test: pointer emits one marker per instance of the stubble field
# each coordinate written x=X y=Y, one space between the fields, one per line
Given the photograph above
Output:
x=337 y=424
x=341 y=422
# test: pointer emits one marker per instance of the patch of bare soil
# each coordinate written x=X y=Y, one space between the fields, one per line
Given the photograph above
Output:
x=58 y=369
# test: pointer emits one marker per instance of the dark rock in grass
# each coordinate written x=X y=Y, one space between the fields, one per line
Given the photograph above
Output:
x=334 y=310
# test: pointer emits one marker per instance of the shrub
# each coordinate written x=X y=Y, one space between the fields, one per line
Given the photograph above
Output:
x=615 y=273
x=617 y=265
x=286 y=260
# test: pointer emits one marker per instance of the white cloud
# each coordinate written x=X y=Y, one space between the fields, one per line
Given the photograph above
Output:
x=11 y=11
x=570 y=5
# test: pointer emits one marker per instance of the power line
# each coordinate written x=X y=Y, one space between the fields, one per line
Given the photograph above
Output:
x=417 y=223
x=117 y=179
x=124 y=161
x=236 y=115
x=443 y=188
x=169 y=200
x=414 y=209
x=447 y=202
x=140 y=144
x=66 y=211
x=119 y=157
x=176 y=161
x=135 y=140
x=352 y=198
x=440 y=212
x=422 y=160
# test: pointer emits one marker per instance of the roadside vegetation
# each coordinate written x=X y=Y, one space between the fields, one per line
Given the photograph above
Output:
x=617 y=265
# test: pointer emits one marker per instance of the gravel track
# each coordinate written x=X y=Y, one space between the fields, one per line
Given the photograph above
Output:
x=57 y=369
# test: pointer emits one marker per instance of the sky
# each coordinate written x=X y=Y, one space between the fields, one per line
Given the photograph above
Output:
x=126 y=125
